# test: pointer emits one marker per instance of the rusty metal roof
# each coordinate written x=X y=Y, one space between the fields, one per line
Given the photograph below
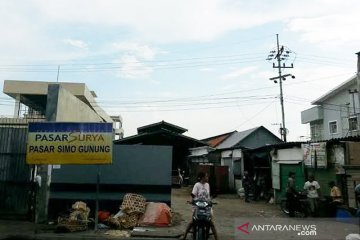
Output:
x=217 y=140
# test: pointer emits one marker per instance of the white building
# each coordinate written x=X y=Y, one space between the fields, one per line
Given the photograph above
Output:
x=334 y=114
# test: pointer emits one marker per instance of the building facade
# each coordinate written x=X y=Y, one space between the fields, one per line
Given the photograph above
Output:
x=335 y=114
x=38 y=102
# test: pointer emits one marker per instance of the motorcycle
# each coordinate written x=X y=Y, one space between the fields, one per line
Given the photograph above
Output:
x=201 y=219
x=301 y=205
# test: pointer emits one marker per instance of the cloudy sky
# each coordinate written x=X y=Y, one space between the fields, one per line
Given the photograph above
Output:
x=199 y=64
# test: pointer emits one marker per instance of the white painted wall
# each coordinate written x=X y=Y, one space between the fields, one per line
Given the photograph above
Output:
x=236 y=153
x=289 y=154
x=227 y=159
x=70 y=109
x=335 y=109
x=199 y=151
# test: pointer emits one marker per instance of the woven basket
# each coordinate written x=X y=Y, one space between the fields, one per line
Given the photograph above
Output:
x=68 y=225
x=124 y=222
x=79 y=215
x=133 y=203
x=128 y=221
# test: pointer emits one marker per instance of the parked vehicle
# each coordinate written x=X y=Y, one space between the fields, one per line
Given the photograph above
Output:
x=301 y=205
x=201 y=219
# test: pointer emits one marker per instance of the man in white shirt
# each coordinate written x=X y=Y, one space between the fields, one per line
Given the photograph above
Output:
x=312 y=188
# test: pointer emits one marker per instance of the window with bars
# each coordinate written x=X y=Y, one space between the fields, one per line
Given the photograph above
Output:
x=353 y=123
x=333 y=128
x=316 y=131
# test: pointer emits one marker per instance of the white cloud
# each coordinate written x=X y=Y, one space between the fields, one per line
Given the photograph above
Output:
x=331 y=30
x=187 y=20
x=165 y=20
x=237 y=73
x=133 y=61
x=77 y=43
x=131 y=67
x=140 y=51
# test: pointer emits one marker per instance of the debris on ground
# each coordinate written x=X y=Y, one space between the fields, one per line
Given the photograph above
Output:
x=118 y=233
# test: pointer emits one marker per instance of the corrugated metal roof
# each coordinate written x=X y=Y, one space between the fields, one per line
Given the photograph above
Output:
x=216 y=140
x=235 y=138
x=335 y=91
x=139 y=137
x=298 y=144
x=161 y=126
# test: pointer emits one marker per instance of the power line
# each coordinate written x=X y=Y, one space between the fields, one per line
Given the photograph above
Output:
x=203 y=97
x=190 y=109
x=326 y=108
x=255 y=115
x=135 y=66
x=116 y=61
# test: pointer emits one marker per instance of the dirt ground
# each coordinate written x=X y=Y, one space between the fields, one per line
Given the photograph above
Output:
x=229 y=207
x=232 y=210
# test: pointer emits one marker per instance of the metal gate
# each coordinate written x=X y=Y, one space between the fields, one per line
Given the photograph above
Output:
x=15 y=174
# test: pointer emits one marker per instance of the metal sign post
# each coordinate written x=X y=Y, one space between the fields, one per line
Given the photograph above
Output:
x=97 y=198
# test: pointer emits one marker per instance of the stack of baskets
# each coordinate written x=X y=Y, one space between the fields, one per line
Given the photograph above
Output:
x=132 y=207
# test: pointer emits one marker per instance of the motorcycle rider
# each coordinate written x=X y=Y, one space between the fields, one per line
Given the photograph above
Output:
x=201 y=190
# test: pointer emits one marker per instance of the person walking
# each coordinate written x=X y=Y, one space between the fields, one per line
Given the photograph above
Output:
x=291 y=194
x=246 y=181
x=312 y=188
x=357 y=194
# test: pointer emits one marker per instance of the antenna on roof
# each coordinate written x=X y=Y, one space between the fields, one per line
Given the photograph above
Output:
x=57 y=78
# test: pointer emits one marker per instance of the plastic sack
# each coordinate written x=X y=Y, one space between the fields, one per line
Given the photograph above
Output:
x=156 y=214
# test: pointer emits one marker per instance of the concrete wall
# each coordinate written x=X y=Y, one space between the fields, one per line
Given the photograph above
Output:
x=335 y=109
x=291 y=154
x=62 y=106
x=40 y=88
x=312 y=114
x=333 y=112
x=227 y=159
x=15 y=88
x=199 y=151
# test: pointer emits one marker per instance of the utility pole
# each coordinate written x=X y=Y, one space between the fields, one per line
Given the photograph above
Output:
x=282 y=54
x=358 y=86
x=352 y=92
x=58 y=72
